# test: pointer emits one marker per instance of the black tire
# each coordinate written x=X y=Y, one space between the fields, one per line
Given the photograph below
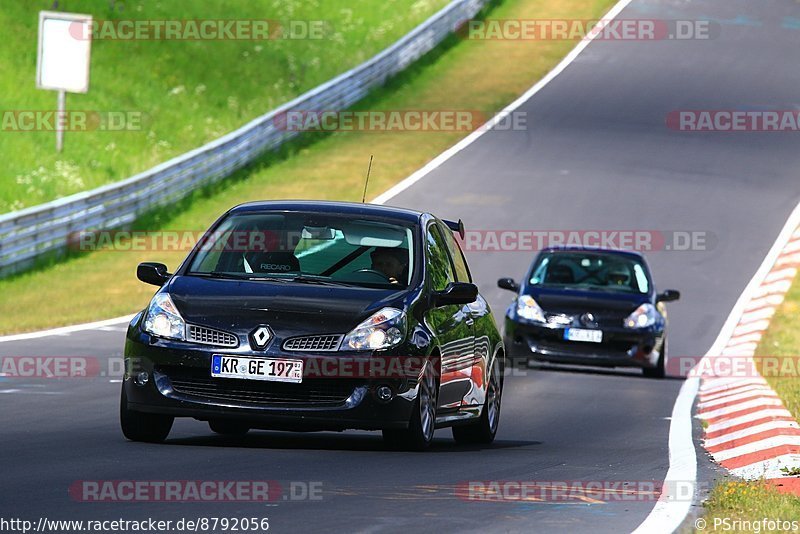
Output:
x=659 y=371
x=419 y=434
x=227 y=427
x=140 y=426
x=484 y=429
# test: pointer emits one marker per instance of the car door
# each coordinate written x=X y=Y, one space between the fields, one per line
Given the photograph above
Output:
x=477 y=313
x=451 y=324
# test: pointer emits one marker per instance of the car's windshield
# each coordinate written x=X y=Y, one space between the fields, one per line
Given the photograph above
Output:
x=308 y=247
x=590 y=270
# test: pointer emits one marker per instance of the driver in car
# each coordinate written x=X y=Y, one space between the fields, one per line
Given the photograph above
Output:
x=618 y=276
x=391 y=262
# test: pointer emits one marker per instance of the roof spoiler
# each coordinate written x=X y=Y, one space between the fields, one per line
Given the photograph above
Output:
x=456 y=227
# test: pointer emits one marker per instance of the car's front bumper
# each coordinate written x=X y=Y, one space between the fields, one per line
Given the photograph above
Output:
x=620 y=347
x=180 y=384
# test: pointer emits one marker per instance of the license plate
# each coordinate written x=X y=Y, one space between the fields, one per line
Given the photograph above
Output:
x=582 y=334
x=273 y=369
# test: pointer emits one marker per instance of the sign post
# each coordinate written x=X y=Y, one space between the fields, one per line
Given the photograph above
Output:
x=62 y=62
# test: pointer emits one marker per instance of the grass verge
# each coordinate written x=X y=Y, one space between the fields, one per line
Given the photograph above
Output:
x=778 y=352
x=168 y=104
x=471 y=75
x=739 y=507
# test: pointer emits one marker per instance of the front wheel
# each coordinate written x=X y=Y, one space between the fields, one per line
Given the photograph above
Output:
x=419 y=434
x=484 y=429
x=140 y=426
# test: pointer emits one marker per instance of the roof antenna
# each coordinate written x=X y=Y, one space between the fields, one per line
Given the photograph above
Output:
x=366 y=182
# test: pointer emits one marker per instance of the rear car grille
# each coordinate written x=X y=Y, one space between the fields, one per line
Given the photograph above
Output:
x=209 y=336
x=313 y=343
x=312 y=392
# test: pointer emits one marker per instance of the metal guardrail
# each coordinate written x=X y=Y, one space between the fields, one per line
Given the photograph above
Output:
x=30 y=233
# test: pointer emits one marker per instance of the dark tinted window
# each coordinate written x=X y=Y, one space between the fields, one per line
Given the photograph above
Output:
x=591 y=270
x=462 y=271
x=296 y=244
x=439 y=268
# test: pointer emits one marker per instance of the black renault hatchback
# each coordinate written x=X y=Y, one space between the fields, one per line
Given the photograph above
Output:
x=588 y=306
x=297 y=315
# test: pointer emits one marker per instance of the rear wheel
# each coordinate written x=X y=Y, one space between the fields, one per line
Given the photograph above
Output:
x=659 y=371
x=419 y=434
x=139 y=426
x=228 y=428
x=485 y=428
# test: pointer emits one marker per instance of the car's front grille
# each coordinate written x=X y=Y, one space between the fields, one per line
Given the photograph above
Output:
x=197 y=382
x=313 y=343
x=617 y=348
x=209 y=336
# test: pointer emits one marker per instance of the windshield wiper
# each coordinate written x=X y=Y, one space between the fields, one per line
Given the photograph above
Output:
x=214 y=274
x=300 y=278
x=238 y=276
x=312 y=279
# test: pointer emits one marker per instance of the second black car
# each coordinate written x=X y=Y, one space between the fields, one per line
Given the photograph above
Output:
x=596 y=307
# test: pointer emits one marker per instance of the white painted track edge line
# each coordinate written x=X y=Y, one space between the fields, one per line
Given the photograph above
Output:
x=668 y=515
x=62 y=330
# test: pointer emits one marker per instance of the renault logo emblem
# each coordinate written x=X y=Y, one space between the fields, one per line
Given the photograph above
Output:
x=260 y=337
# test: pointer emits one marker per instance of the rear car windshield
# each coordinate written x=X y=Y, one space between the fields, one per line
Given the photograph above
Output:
x=591 y=271
x=309 y=247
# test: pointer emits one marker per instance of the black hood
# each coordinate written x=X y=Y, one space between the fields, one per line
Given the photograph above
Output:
x=601 y=303
x=288 y=308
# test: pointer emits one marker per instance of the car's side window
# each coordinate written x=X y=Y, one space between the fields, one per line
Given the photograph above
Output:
x=441 y=272
x=462 y=271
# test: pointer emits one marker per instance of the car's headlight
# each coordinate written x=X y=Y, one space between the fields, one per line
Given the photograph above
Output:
x=642 y=317
x=163 y=318
x=528 y=309
x=382 y=330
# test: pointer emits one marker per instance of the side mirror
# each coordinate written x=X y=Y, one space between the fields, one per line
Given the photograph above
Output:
x=152 y=273
x=508 y=283
x=456 y=293
x=668 y=295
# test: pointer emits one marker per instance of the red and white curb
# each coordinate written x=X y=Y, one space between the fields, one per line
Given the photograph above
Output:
x=748 y=430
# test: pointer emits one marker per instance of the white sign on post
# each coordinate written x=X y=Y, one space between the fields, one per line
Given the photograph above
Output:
x=65 y=43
